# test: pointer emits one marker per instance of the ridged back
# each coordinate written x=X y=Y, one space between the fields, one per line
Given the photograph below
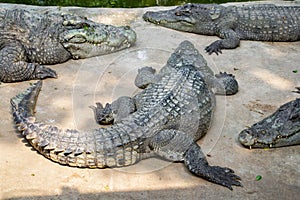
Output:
x=181 y=100
x=267 y=22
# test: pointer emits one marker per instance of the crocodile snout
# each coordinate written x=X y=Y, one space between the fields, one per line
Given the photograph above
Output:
x=246 y=138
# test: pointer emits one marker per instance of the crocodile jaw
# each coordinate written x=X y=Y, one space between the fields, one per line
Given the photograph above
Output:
x=282 y=128
x=97 y=40
x=246 y=138
x=171 y=19
x=251 y=139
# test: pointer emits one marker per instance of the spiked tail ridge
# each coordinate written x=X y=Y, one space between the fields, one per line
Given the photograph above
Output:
x=23 y=105
x=47 y=139
x=92 y=149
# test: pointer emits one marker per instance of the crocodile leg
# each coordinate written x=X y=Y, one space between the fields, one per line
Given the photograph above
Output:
x=103 y=115
x=13 y=65
x=145 y=76
x=297 y=90
x=123 y=106
x=222 y=83
x=196 y=163
x=114 y=112
x=230 y=41
x=176 y=145
x=225 y=84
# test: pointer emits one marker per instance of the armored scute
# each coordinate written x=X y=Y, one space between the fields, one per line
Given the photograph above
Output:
x=29 y=40
x=167 y=118
x=261 y=22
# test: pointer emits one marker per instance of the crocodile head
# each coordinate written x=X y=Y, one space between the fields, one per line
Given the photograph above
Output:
x=196 y=18
x=84 y=38
x=282 y=128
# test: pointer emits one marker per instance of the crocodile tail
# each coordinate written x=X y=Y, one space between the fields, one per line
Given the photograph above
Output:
x=47 y=139
x=91 y=149
x=23 y=105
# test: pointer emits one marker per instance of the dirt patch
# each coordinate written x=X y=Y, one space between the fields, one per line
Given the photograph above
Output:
x=256 y=106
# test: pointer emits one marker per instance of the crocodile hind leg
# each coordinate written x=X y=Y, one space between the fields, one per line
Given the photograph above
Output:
x=175 y=145
x=146 y=75
x=103 y=115
x=114 y=112
x=223 y=83
x=123 y=106
x=13 y=65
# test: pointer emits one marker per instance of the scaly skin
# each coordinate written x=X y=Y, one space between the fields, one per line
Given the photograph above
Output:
x=29 y=39
x=264 y=22
x=172 y=113
x=282 y=128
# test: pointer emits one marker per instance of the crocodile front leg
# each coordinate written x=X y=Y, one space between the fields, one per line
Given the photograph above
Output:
x=230 y=40
x=196 y=163
x=14 y=66
x=176 y=145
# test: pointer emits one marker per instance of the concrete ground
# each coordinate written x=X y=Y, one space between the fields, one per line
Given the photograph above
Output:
x=267 y=73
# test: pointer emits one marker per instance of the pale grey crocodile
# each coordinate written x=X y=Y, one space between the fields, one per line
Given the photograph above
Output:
x=29 y=39
x=282 y=128
x=261 y=22
x=172 y=112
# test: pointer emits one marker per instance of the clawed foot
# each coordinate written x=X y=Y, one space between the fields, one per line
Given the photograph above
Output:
x=215 y=47
x=297 y=90
x=145 y=77
x=103 y=115
x=228 y=82
x=223 y=176
x=196 y=163
x=42 y=72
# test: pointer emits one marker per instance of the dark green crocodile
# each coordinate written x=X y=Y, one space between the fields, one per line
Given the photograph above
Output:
x=282 y=128
x=261 y=22
x=29 y=39
x=172 y=112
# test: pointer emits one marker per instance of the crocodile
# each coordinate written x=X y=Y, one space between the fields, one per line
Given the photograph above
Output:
x=30 y=39
x=171 y=114
x=260 y=22
x=282 y=128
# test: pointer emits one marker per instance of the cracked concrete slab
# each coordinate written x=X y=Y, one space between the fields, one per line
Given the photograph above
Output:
x=267 y=73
